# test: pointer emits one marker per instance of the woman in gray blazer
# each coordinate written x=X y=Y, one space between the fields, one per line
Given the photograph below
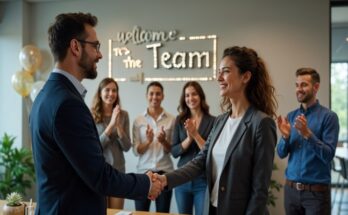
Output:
x=113 y=129
x=237 y=158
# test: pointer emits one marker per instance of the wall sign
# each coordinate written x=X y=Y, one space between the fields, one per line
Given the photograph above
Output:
x=148 y=55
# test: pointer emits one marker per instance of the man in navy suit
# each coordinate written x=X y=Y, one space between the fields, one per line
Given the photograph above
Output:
x=72 y=175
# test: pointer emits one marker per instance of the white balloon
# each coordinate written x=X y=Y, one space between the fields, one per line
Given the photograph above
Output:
x=37 y=86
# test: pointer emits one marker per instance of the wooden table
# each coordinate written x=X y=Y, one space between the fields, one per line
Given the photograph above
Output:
x=112 y=211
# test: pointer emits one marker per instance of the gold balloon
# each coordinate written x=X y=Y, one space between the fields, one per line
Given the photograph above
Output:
x=30 y=58
x=22 y=82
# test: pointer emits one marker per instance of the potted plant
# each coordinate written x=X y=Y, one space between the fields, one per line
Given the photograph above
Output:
x=16 y=167
x=14 y=205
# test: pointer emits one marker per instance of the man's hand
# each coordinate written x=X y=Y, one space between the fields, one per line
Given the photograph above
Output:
x=284 y=126
x=161 y=136
x=156 y=186
x=301 y=126
x=149 y=134
x=161 y=178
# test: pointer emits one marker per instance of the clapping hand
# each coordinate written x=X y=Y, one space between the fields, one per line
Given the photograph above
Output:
x=149 y=133
x=301 y=126
x=190 y=126
x=161 y=136
x=284 y=126
x=117 y=111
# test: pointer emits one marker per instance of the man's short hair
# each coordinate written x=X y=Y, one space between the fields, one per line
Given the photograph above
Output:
x=309 y=71
x=68 y=26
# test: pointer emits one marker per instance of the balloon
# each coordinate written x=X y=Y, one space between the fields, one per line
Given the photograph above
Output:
x=22 y=82
x=37 y=86
x=30 y=58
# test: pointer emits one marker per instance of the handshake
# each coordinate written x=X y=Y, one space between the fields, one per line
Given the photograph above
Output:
x=158 y=182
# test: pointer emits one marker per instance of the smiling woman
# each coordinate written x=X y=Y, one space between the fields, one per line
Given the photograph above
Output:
x=113 y=128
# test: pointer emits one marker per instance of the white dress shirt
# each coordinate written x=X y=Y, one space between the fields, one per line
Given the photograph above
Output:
x=155 y=158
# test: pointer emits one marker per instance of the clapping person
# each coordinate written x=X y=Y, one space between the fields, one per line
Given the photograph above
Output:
x=237 y=157
x=309 y=138
x=113 y=128
x=192 y=127
x=152 y=136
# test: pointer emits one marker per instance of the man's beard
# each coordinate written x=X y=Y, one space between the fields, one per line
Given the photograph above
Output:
x=87 y=65
x=306 y=98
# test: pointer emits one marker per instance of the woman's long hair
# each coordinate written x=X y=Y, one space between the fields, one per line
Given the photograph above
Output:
x=183 y=109
x=97 y=104
x=259 y=91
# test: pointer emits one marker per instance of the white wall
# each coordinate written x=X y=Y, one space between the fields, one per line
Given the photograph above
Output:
x=287 y=34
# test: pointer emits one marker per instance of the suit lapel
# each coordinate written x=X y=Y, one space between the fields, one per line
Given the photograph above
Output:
x=241 y=129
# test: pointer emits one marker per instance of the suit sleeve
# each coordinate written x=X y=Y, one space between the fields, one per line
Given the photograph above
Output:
x=266 y=138
x=77 y=138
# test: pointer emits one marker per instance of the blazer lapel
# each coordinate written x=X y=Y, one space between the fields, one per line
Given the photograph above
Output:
x=241 y=129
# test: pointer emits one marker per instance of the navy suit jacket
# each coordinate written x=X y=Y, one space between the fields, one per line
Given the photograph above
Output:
x=72 y=175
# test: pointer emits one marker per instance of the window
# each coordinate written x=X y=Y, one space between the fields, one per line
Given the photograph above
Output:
x=339 y=95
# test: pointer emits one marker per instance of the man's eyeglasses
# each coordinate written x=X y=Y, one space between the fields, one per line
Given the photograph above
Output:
x=95 y=44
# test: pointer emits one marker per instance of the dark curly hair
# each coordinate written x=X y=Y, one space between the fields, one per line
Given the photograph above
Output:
x=259 y=91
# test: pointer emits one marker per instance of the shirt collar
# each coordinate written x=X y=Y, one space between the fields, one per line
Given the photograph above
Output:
x=163 y=114
x=77 y=84
x=310 y=108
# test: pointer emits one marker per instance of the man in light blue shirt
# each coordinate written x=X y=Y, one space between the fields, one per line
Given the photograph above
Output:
x=309 y=137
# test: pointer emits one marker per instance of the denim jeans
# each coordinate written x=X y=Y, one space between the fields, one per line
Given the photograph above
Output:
x=162 y=203
x=191 y=194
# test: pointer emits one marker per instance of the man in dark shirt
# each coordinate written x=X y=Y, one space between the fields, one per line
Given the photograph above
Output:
x=309 y=137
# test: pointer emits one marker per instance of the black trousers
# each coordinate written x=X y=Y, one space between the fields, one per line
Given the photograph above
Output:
x=306 y=202
x=162 y=203
x=212 y=210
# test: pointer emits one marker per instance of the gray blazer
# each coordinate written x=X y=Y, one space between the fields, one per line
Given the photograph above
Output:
x=247 y=170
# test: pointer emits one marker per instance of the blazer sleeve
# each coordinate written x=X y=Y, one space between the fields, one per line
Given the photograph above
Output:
x=77 y=137
x=177 y=149
x=266 y=138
